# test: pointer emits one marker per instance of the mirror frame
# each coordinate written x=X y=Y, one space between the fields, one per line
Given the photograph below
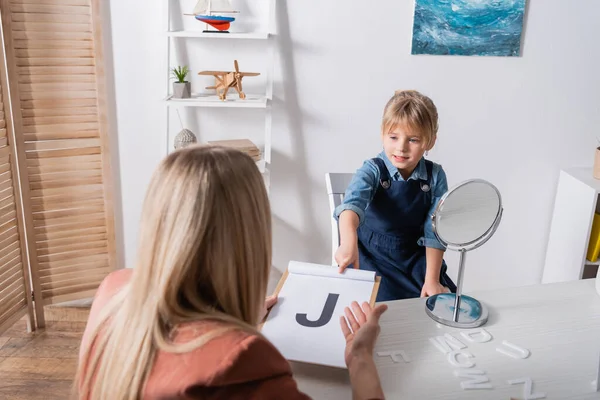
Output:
x=462 y=248
x=467 y=246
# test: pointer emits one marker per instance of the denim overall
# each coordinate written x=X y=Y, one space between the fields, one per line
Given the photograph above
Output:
x=387 y=240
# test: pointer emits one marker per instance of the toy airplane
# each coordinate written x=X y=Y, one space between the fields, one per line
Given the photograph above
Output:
x=228 y=79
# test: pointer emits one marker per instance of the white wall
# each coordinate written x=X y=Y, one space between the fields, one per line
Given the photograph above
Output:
x=512 y=121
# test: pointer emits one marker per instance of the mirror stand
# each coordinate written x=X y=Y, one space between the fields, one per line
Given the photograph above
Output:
x=457 y=310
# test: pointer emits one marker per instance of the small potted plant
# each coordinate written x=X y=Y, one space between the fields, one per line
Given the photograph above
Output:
x=181 y=88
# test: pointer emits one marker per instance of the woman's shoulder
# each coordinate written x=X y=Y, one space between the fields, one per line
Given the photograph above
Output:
x=112 y=283
x=234 y=361
x=237 y=355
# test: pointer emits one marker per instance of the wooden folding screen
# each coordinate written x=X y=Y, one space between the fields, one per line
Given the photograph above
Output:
x=57 y=89
x=15 y=292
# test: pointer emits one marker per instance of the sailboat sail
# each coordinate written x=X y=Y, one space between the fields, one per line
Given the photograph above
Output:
x=210 y=6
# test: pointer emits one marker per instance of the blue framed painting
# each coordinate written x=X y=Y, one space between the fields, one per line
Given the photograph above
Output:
x=468 y=27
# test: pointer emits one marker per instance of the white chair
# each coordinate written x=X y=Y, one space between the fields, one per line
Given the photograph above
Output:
x=336 y=187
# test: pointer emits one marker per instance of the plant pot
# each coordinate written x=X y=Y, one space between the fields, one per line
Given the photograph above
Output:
x=597 y=164
x=182 y=90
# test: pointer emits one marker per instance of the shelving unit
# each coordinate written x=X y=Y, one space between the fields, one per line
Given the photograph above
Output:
x=577 y=199
x=260 y=101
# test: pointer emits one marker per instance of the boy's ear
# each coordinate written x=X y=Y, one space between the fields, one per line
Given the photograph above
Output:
x=432 y=143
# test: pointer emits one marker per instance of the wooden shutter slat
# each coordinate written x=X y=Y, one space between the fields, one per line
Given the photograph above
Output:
x=61 y=70
x=65 y=192
x=10 y=216
x=49 y=62
x=54 y=243
x=91 y=223
x=62 y=207
x=82 y=245
x=4 y=151
x=10 y=268
x=30 y=137
x=68 y=85
x=35 y=171
x=11 y=294
x=52 y=44
x=24 y=16
x=65 y=183
x=61 y=175
x=64 y=153
x=55 y=79
x=73 y=276
x=9 y=237
x=45 y=9
x=8 y=232
x=12 y=315
x=53 y=2
x=51 y=222
x=71 y=254
x=59 y=112
x=67 y=162
x=66 y=200
x=4 y=168
x=67 y=36
x=13 y=307
x=10 y=252
x=70 y=234
x=75 y=264
x=41 y=96
x=69 y=212
x=50 y=27
x=57 y=284
x=6 y=185
x=57 y=104
x=62 y=144
x=69 y=127
x=11 y=279
x=75 y=289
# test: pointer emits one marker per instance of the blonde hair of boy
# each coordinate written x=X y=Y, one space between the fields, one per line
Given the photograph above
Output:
x=204 y=253
x=413 y=110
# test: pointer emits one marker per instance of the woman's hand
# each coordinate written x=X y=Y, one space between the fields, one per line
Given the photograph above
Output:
x=360 y=328
x=270 y=301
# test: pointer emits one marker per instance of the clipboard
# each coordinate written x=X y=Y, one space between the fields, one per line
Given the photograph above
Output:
x=284 y=277
x=304 y=324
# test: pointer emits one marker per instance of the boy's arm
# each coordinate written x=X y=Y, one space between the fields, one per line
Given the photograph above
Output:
x=434 y=252
x=360 y=191
x=351 y=212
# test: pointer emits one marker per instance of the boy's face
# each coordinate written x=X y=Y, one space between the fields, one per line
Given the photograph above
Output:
x=404 y=149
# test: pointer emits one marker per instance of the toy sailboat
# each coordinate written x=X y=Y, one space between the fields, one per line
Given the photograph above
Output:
x=204 y=9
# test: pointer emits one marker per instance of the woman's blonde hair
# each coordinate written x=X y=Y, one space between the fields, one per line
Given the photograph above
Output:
x=204 y=253
x=415 y=111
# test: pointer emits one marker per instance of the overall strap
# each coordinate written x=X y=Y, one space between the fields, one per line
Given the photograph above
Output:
x=426 y=183
x=384 y=175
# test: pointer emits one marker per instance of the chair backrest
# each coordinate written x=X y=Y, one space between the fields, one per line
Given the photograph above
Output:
x=337 y=183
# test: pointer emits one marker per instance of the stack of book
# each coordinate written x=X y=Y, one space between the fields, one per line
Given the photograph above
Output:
x=243 y=145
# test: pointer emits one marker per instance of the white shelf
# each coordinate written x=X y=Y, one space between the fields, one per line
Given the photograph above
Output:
x=262 y=166
x=200 y=34
x=212 y=100
x=588 y=262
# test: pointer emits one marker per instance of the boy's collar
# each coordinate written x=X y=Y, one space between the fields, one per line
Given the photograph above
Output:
x=420 y=171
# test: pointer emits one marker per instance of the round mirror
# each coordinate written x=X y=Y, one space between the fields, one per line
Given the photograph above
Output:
x=465 y=218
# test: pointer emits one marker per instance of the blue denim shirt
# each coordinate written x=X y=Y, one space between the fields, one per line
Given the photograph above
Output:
x=364 y=184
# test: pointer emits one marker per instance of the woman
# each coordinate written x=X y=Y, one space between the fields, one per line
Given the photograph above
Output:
x=182 y=323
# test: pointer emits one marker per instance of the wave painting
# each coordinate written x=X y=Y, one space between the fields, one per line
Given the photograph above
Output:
x=468 y=27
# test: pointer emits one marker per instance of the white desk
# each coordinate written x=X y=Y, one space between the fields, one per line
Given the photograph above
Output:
x=559 y=323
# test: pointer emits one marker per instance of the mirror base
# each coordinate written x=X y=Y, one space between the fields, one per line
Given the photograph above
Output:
x=441 y=309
